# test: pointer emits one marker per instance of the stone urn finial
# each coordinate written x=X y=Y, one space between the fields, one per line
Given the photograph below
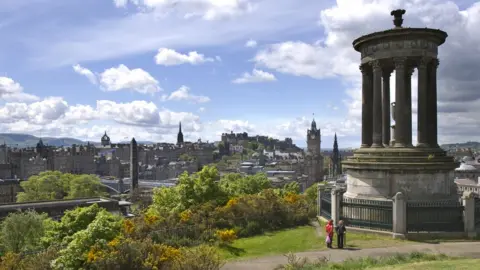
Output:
x=397 y=15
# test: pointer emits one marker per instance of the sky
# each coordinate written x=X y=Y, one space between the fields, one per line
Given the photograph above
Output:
x=136 y=68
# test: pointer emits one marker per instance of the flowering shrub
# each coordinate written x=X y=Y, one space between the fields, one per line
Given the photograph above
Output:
x=128 y=226
x=185 y=215
x=232 y=202
x=133 y=254
x=151 y=219
x=291 y=197
x=226 y=236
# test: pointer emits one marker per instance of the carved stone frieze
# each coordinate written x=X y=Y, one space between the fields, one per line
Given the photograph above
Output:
x=399 y=45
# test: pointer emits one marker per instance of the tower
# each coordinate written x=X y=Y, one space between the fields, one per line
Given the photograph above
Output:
x=335 y=159
x=105 y=139
x=314 y=159
x=133 y=165
x=180 y=134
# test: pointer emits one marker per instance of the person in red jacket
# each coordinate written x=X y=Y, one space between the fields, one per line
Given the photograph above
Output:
x=329 y=230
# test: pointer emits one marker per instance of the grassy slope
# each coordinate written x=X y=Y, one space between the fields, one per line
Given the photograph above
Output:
x=298 y=239
x=464 y=264
x=281 y=242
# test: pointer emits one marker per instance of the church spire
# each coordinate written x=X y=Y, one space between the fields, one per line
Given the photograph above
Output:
x=180 y=134
x=335 y=143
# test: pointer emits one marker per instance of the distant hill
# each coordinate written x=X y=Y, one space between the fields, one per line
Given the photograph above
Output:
x=26 y=140
x=474 y=145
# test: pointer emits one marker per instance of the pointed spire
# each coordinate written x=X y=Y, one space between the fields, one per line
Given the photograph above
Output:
x=314 y=124
x=335 y=143
x=133 y=141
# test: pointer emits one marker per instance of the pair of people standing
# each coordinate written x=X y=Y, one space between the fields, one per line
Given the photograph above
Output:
x=340 y=230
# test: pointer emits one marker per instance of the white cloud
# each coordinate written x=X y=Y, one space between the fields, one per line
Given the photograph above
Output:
x=138 y=33
x=169 y=57
x=183 y=94
x=255 y=77
x=123 y=78
x=85 y=72
x=201 y=109
x=11 y=90
x=120 y=3
x=206 y=9
x=251 y=44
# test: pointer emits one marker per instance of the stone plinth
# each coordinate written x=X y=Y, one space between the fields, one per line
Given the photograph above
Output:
x=419 y=174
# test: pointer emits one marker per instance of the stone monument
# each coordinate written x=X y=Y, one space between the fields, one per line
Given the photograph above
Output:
x=133 y=166
x=383 y=165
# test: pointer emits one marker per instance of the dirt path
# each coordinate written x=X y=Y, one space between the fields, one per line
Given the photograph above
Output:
x=463 y=249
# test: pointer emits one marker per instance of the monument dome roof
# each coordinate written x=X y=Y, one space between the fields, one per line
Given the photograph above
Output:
x=465 y=167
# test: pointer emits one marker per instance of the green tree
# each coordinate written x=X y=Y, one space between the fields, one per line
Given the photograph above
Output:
x=54 y=185
x=84 y=186
x=235 y=184
x=166 y=199
x=104 y=228
x=186 y=157
x=193 y=189
x=22 y=231
x=253 y=145
x=292 y=187
x=72 y=221
x=311 y=194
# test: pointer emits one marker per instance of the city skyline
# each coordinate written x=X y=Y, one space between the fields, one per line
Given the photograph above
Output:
x=263 y=67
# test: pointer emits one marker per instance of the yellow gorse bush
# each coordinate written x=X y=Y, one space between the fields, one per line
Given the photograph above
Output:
x=227 y=235
x=95 y=254
x=114 y=243
x=151 y=219
x=185 y=215
x=128 y=226
x=232 y=202
x=291 y=197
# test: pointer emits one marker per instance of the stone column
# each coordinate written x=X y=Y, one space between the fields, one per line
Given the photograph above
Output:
x=319 y=200
x=432 y=104
x=367 y=102
x=468 y=200
x=377 y=104
x=422 y=128
x=400 y=103
x=399 y=216
x=386 y=108
x=408 y=102
x=336 y=198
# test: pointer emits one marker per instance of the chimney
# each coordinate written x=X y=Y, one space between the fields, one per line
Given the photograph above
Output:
x=133 y=165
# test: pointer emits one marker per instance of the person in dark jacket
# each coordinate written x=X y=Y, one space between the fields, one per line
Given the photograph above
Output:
x=341 y=230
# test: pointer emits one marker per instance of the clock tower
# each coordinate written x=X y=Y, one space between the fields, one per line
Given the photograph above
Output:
x=314 y=158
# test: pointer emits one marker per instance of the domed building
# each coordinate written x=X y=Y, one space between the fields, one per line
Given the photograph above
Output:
x=105 y=140
x=467 y=177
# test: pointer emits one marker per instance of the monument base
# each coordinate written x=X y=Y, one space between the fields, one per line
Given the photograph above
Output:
x=419 y=173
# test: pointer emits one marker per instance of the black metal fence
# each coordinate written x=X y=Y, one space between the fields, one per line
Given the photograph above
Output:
x=436 y=216
x=369 y=214
x=326 y=204
x=477 y=213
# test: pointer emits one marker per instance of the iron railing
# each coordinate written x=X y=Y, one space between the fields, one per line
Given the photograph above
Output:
x=369 y=214
x=326 y=204
x=477 y=213
x=435 y=216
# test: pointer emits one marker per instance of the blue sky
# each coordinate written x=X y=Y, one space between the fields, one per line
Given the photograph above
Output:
x=302 y=63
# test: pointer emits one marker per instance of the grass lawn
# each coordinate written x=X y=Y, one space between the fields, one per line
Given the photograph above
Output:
x=299 y=239
x=461 y=264
x=396 y=262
